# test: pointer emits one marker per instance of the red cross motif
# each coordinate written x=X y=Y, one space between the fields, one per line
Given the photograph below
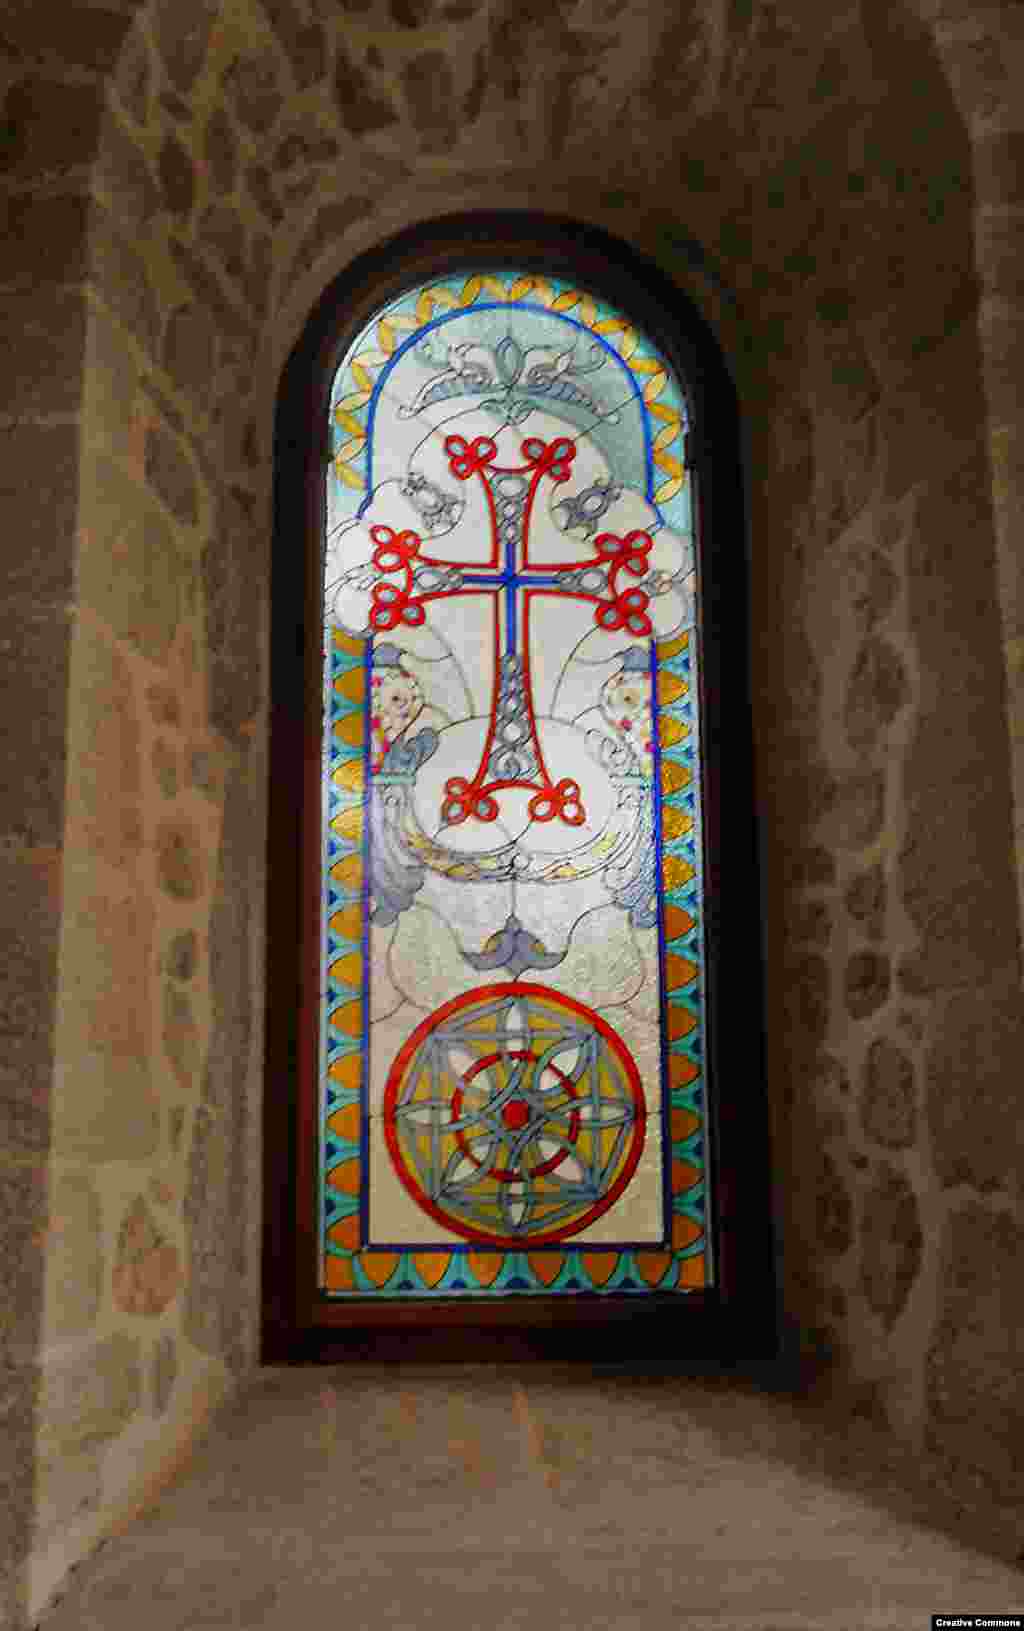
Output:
x=512 y=754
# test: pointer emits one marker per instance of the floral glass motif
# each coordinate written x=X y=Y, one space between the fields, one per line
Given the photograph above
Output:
x=512 y=1098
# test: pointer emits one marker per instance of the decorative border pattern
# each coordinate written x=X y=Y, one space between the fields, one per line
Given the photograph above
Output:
x=349 y=1267
x=357 y=377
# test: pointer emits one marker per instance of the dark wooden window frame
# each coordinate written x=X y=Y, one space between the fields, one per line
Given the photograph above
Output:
x=736 y=1319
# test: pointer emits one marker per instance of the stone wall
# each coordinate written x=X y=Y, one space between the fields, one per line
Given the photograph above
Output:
x=182 y=180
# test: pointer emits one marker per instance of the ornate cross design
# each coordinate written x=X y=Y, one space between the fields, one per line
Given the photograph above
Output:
x=512 y=755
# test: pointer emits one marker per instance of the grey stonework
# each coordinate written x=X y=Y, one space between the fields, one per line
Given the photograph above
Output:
x=853 y=189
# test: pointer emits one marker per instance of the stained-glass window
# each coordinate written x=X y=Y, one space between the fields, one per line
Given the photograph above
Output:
x=512 y=1094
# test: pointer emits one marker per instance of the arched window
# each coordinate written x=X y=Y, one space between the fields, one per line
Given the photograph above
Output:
x=507 y=1086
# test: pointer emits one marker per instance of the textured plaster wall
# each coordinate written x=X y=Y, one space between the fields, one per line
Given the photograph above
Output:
x=182 y=180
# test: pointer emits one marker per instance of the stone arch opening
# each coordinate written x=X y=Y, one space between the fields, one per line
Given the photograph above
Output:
x=223 y=164
x=608 y=269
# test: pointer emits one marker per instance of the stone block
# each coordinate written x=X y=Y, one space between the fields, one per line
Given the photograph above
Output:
x=67 y=1488
x=177 y=177
x=956 y=870
x=215 y=1209
x=999 y=247
x=107 y=788
x=163 y=1372
x=253 y=86
x=361 y=106
x=429 y=87
x=51 y=128
x=891 y=1243
x=46 y=240
x=226 y=1073
x=857 y=810
x=17 y=1486
x=74 y=1258
x=208 y=291
x=133 y=570
x=182 y=955
x=330 y=226
x=932 y=422
x=971 y=1075
x=112 y=378
x=87 y=1400
x=304 y=45
x=888 y=1108
x=23 y=1219
x=865 y=900
x=975 y=1413
x=221 y=233
x=134 y=76
x=220 y=147
x=260 y=182
x=180 y=1036
x=866 y=983
x=833 y=1208
x=877 y=689
x=38 y=505
x=182 y=40
x=171 y=474
x=807 y=1002
x=147 y=1269
x=121 y=278
x=91 y=38
x=28 y=984
x=164 y=765
x=179 y=860
x=1001 y=332
x=123 y=174
x=232 y=618
x=33 y=668
x=42 y=341
x=104 y=1102
x=191 y=347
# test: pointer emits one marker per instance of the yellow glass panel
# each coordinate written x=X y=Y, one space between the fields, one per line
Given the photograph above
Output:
x=672 y=648
x=349 y=776
x=676 y=871
x=681 y=1072
x=349 y=824
x=678 y=971
x=670 y=688
x=350 y=730
x=671 y=731
x=547 y=1266
x=692 y=1273
x=683 y=1124
x=348 y=970
x=378 y=1266
x=677 y=921
x=348 y=1019
x=675 y=823
x=338 y=1274
x=653 y=1266
x=349 y=872
x=345 y=1233
x=680 y=1022
x=345 y=1177
x=674 y=777
x=485 y=1266
x=352 y=685
x=346 y=1122
x=347 y=1072
x=684 y=1176
x=600 y=1266
x=685 y=1231
x=430 y=1266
